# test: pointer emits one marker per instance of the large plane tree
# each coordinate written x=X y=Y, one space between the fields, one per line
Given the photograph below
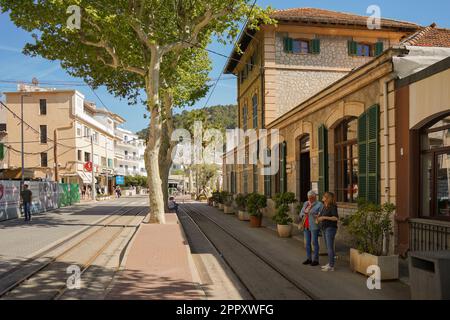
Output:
x=122 y=44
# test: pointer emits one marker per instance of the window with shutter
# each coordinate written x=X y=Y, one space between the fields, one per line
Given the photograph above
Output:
x=362 y=155
x=369 y=155
x=352 y=48
x=315 y=46
x=255 y=111
x=373 y=159
x=255 y=178
x=283 y=173
x=268 y=179
x=288 y=45
x=2 y=151
x=323 y=160
x=379 y=48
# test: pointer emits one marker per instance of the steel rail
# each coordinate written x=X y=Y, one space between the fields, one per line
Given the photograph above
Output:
x=295 y=283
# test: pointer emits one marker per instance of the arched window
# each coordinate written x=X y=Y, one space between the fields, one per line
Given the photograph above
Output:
x=346 y=160
x=435 y=169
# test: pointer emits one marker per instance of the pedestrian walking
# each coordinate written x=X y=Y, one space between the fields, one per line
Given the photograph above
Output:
x=308 y=215
x=328 y=218
x=83 y=192
x=26 y=196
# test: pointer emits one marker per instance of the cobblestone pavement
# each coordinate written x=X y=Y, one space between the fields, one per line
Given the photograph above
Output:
x=20 y=240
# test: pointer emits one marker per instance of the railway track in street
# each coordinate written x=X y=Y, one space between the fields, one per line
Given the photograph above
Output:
x=258 y=275
x=47 y=276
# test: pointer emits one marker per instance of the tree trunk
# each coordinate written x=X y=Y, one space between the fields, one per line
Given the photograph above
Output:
x=157 y=212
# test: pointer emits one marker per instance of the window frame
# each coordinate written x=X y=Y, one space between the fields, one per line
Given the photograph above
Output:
x=43 y=139
x=345 y=147
x=43 y=105
x=300 y=40
x=255 y=111
x=435 y=153
x=44 y=159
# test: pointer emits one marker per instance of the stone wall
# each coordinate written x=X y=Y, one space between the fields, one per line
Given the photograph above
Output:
x=294 y=87
x=333 y=54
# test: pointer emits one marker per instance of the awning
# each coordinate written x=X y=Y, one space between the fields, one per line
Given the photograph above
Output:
x=86 y=177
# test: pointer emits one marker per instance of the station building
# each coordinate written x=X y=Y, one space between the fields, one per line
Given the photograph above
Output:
x=349 y=135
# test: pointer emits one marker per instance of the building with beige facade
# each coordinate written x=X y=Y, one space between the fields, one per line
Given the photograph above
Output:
x=61 y=123
x=343 y=135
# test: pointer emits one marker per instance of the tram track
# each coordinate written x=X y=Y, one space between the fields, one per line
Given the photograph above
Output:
x=257 y=274
x=120 y=220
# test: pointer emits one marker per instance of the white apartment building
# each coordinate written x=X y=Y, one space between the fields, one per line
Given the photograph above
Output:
x=129 y=153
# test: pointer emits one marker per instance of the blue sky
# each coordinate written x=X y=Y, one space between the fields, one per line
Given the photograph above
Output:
x=15 y=66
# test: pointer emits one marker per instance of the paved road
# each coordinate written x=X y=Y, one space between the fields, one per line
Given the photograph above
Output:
x=20 y=240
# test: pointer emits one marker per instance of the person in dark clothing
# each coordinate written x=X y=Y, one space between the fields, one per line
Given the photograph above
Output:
x=328 y=218
x=26 y=196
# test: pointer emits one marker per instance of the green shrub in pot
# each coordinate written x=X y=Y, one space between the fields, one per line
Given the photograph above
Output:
x=255 y=203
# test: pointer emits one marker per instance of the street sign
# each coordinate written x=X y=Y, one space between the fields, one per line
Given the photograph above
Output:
x=120 y=180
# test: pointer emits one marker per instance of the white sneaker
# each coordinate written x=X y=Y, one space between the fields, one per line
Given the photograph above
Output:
x=325 y=266
x=328 y=268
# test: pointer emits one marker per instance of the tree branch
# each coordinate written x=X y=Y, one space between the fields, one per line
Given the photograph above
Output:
x=116 y=63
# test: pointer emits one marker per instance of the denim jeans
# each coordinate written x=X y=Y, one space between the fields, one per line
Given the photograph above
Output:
x=330 y=234
x=312 y=236
x=27 y=210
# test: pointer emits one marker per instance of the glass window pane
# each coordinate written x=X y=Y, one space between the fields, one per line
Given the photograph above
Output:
x=352 y=128
x=443 y=185
x=355 y=179
x=426 y=183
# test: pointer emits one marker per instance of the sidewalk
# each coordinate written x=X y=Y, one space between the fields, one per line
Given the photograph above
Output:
x=288 y=255
x=157 y=265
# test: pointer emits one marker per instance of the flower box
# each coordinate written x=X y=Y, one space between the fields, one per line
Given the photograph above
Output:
x=360 y=261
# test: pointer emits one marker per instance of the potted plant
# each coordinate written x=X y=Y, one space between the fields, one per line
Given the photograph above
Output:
x=222 y=196
x=255 y=203
x=228 y=203
x=215 y=198
x=282 y=218
x=241 y=201
x=371 y=227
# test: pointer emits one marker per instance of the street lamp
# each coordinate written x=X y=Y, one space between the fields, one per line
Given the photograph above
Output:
x=22 y=140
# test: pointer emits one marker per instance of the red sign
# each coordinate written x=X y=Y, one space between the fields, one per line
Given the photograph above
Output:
x=88 y=166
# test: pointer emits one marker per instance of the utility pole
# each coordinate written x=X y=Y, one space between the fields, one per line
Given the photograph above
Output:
x=55 y=154
x=22 y=144
x=93 y=170
x=107 y=166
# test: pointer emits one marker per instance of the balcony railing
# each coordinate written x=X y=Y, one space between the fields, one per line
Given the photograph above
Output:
x=428 y=236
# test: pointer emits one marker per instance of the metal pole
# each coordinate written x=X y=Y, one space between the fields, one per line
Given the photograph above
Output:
x=92 y=162
x=107 y=166
x=22 y=144
x=55 y=154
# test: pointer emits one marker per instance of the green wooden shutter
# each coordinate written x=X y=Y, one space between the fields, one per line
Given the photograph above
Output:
x=369 y=155
x=283 y=173
x=287 y=44
x=379 y=48
x=352 y=48
x=323 y=160
x=2 y=151
x=362 y=156
x=373 y=154
x=315 y=46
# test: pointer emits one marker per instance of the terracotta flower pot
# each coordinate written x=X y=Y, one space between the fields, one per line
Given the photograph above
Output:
x=284 y=231
x=255 y=221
